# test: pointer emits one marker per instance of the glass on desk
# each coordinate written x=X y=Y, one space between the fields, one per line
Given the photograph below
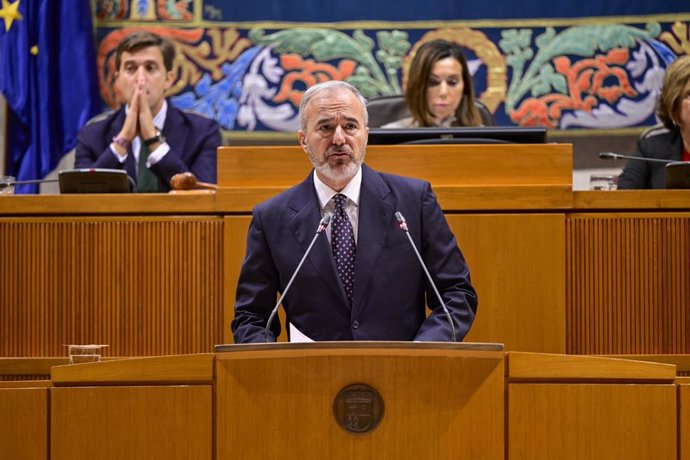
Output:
x=603 y=182
x=79 y=354
x=6 y=185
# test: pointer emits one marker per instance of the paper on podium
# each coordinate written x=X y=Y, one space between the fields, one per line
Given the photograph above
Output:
x=297 y=336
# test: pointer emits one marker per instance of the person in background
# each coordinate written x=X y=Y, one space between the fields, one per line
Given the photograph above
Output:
x=149 y=138
x=671 y=140
x=362 y=280
x=439 y=89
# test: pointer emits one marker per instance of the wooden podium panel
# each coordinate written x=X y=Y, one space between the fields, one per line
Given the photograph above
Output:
x=154 y=408
x=24 y=420
x=276 y=401
x=575 y=407
x=155 y=422
x=592 y=421
x=683 y=384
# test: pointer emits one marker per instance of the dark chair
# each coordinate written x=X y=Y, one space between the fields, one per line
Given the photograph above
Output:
x=384 y=109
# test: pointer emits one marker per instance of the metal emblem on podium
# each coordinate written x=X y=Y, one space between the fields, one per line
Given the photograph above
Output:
x=358 y=408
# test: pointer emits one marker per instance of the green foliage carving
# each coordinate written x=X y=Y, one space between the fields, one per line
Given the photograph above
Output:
x=328 y=45
x=539 y=77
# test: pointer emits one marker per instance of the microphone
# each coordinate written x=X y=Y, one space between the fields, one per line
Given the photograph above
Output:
x=403 y=227
x=618 y=156
x=319 y=230
x=8 y=184
x=26 y=182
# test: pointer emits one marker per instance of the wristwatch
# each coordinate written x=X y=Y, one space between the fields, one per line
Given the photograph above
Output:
x=157 y=138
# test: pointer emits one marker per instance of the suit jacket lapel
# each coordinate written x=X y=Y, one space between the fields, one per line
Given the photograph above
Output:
x=303 y=224
x=172 y=129
x=376 y=220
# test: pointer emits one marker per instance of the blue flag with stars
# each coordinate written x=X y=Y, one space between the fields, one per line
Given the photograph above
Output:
x=48 y=77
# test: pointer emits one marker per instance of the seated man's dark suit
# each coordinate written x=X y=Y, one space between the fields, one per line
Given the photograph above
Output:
x=193 y=141
x=659 y=143
x=390 y=288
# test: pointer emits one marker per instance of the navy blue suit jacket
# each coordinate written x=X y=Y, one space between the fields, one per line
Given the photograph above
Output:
x=390 y=288
x=193 y=141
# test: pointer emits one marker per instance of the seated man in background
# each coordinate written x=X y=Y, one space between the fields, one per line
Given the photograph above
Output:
x=439 y=89
x=366 y=283
x=149 y=138
x=668 y=142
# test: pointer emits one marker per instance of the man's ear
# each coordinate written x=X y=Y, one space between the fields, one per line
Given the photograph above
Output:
x=302 y=138
x=169 y=79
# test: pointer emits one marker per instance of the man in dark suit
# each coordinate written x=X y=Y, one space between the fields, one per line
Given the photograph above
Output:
x=149 y=138
x=362 y=280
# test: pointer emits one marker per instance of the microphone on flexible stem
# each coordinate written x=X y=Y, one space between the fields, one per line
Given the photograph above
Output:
x=618 y=156
x=403 y=227
x=322 y=226
x=27 y=182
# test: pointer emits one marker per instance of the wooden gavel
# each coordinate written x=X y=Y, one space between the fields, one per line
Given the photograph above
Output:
x=187 y=181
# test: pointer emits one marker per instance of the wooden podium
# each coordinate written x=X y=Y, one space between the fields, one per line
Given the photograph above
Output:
x=440 y=401
x=321 y=400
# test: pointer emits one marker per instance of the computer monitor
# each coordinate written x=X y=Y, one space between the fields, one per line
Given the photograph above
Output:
x=458 y=135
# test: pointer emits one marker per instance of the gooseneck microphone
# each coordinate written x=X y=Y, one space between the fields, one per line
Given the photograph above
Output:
x=319 y=230
x=618 y=156
x=403 y=227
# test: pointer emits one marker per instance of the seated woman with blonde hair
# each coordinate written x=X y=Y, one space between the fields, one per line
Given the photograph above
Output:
x=439 y=89
x=671 y=140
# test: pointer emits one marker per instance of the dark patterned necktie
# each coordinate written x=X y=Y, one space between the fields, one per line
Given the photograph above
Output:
x=343 y=243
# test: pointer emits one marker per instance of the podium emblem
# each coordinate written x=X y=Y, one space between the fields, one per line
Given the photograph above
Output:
x=358 y=408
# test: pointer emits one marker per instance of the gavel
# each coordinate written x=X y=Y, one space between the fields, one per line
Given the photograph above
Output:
x=187 y=181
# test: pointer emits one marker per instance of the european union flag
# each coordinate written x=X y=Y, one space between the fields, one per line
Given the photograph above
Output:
x=48 y=76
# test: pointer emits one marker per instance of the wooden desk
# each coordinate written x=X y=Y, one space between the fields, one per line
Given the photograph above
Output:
x=556 y=271
x=276 y=400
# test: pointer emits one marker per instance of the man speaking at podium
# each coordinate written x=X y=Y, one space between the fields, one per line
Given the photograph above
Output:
x=361 y=279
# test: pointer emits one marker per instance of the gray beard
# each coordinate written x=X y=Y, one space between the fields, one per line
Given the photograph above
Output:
x=339 y=172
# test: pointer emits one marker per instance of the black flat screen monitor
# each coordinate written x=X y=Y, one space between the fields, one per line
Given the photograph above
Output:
x=458 y=135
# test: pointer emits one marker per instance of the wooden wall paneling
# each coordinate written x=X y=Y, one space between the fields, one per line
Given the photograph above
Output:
x=142 y=285
x=627 y=276
x=465 y=177
x=236 y=228
x=516 y=263
x=592 y=421
x=517 y=267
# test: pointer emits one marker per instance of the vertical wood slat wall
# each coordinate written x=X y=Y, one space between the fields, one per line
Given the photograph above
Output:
x=628 y=284
x=143 y=286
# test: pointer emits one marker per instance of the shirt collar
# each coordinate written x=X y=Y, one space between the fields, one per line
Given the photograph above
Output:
x=351 y=190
